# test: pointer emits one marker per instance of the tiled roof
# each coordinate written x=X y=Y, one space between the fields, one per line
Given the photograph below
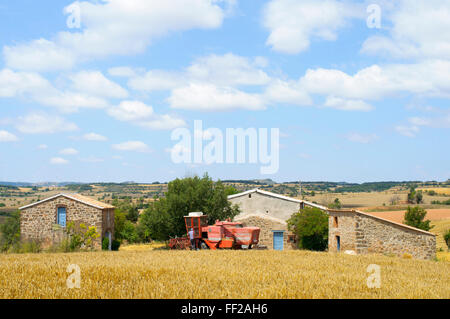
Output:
x=352 y=211
x=77 y=197
x=257 y=190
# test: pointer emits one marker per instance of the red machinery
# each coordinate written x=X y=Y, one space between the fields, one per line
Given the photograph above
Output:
x=223 y=234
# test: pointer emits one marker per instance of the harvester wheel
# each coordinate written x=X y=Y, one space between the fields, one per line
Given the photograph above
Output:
x=203 y=245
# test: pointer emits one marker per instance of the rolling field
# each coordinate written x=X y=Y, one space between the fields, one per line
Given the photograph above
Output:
x=220 y=274
x=398 y=215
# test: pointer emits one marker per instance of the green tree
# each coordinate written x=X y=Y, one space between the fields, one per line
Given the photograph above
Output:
x=10 y=231
x=415 y=216
x=311 y=228
x=418 y=197
x=447 y=238
x=412 y=195
x=336 y=204
x=165 y=217
x=128 y=207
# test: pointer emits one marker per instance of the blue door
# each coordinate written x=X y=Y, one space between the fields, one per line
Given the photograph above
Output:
x=62 y=216
x=278 y=240
x=338 y=241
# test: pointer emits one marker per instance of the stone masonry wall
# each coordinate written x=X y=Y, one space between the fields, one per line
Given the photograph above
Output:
x=266 y=235
x=345 y=230
x=367 y=234
x=39 y=221
x=262 y=204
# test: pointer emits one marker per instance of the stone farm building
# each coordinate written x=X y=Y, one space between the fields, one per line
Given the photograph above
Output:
x=349 y=230
x=270 y=212
x=362 y=233
x=45 y=220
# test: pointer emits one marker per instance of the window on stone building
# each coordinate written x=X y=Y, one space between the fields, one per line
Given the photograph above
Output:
x=61 y=216
x=335 y=222
x=292 y=239
x=249 y=195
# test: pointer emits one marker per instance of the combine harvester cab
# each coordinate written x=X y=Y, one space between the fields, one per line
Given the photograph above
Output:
x=221 y=235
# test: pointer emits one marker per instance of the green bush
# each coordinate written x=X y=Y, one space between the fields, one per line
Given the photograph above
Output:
x=29 y=246
x=415 y=216
x=447 y=238
x=10 y=232
x=115 y=245
x=311 y=228
x=336 y=204
x=81 y=236
x=105 y=243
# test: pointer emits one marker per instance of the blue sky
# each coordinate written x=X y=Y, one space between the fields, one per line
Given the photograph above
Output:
x=98 y=103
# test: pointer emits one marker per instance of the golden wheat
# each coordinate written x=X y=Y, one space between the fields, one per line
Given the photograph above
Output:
x=220 y=274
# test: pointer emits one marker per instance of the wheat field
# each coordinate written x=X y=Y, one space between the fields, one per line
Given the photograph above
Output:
x=219 y=274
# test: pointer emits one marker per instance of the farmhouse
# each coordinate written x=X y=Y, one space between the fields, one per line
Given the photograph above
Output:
x=270 y=212
x=46 y=220
x=363 y=233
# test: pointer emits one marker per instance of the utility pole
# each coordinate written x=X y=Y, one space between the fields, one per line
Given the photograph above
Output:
x=300 y=186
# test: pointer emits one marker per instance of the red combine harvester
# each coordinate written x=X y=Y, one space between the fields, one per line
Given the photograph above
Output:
x=221 y=235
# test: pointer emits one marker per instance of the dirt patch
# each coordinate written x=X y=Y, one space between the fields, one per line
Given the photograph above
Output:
x=398 y=215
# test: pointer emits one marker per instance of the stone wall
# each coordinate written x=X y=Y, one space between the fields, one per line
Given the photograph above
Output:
x=267 y=225
x=39 y=222
x=367 y=234
x=261 y=204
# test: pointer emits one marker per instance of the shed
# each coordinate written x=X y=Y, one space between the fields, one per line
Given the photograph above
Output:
x=45 y=220
x=270 y=212
x=362 y=233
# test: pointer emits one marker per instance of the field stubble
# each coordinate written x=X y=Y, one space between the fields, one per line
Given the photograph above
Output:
x=220 y=274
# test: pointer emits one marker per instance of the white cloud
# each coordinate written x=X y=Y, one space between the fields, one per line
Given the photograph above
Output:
x=208 y=97
x=136 y=146
x=69 y=102
x=428 y=78
x=58 y=161
x=415 y=123
x=156 y=80
x=16 y=83
x=122 y=71
x=163 y=122
x=131 y=111
x=38 y=55
x=409 y=131
x=94 y=137
x=361 y=138
x=347 y=105
x=143 y=115
x=221 y=70
x=68 y=151
x=115 y=27
x=42 y=123
x=6 y=136
x=289 y=92
x=96 y=84
x=292 y=24
x=228 y=70
x=42 y=147
x=36 y=88
x=421 y=29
